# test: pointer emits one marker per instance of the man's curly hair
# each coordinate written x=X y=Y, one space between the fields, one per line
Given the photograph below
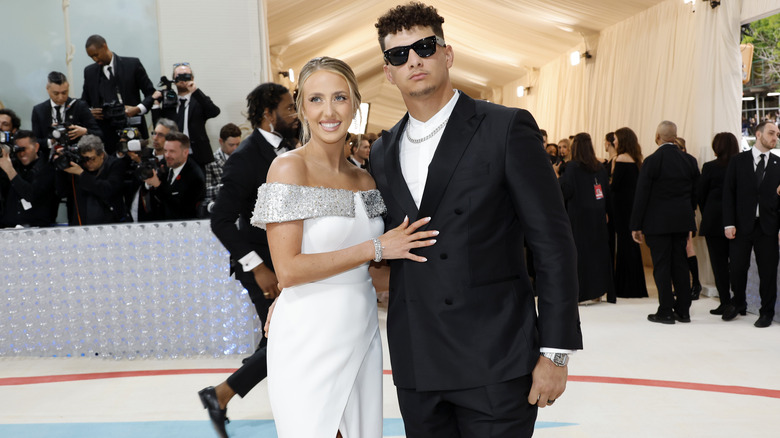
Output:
x=406 y=17
x=267 y=95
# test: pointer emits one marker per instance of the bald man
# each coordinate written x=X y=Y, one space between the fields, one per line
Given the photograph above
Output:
x=662 y=216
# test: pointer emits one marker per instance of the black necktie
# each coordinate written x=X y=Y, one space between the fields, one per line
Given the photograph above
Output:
x=180 y=114
x=170 y=177
x=760 y=171
x=110 y=73
x=57 y=109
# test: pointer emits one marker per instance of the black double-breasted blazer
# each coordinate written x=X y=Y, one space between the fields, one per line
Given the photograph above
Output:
x=467 y=317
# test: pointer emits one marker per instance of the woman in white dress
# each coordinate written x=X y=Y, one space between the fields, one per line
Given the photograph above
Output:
x=323 y=217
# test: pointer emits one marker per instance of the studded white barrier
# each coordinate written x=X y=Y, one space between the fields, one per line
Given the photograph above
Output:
x=157 y=290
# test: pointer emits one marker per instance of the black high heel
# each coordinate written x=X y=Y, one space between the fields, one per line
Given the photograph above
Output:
x=695 y=292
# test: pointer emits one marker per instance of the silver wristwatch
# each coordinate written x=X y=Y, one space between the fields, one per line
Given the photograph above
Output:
x=559 y=359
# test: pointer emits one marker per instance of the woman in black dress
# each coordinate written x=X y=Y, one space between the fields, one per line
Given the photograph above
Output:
x=629 y=269
x=585 y=187
x=710 y=197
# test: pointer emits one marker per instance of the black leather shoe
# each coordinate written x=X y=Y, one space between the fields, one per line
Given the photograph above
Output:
x=681 y=318
x=654 y=317
x=718 y=310
x=730 y=312
x=208 y=396
x=695 y=292
x=763 y=321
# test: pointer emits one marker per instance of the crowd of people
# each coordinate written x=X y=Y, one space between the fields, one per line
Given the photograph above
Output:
x=446 y=197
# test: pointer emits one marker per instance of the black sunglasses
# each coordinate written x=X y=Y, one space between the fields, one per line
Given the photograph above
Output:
x=424 y=48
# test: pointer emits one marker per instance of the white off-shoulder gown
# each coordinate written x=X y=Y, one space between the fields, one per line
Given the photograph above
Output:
x=324 y=349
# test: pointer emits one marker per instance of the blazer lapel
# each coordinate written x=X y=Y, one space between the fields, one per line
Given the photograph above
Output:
x=771 y=166
x=457 y=136
x=265 y=148
x=395 y=177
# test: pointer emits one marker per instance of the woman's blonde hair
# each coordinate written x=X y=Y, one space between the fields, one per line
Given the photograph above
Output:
x=332 y=65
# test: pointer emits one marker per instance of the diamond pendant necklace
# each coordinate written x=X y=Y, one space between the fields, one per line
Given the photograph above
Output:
x=427 y=137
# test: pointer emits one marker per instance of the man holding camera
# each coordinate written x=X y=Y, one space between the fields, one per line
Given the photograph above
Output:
x=182 y=189
x=26 y=184
x=61 y=120
x=141 y=205
x=115 y=81
x=92 y=182
x=191 y=113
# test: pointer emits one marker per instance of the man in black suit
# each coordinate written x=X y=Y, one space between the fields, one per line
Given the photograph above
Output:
x=271 y=111
x=117 y=79
x=142 y=206
x=93 y=185
x=470 y=356
x=61 y=110
x=194 y=109
x=26 y=184
x=750 y=204
x=182 y=188
x=663 y=215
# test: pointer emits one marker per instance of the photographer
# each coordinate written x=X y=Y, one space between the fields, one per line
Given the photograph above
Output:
x=116 y=82
x=181 y=191
x=92 y=183
x=193 y=109
x=9 y=121
x=26 y=184
x=140 y=204
x=61 y=119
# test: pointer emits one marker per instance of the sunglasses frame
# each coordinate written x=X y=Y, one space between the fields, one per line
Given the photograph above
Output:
x=437 y=40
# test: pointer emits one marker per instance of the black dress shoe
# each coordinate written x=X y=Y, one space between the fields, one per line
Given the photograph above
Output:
x=208 y=396
x=718 y=310
x=695 y=291
x=654 y=317
x=763 y=321
x=681 y=318
x=730 y=312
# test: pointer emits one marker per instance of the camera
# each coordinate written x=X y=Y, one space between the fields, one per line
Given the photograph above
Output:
x=114 y=114
x=6 y=137
x=148 y=165
x=169 y=97
x=183 y=77
x=68 y=154
x=59 y=134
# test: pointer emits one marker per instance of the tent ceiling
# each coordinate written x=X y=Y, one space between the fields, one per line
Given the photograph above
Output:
x=495 y=41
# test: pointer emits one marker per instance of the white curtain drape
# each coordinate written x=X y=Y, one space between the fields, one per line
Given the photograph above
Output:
x=666 y=63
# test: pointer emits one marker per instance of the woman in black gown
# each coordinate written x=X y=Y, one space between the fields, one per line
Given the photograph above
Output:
x=710 y=197
x=585 y=187
x=629 y=269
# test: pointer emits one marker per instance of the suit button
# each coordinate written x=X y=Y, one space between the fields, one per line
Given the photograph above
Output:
x=458 y=211
x=448 y=301
x=443 y=256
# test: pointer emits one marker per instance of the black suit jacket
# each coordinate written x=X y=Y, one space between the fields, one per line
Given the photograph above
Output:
x=131 y=79
x=664 y=200
x=741 y=195
x=76 y=112
x=467 y=316
x=709 y=195
x=180 y=199
x=244 y=172
x=201 y=109
x=35 y=184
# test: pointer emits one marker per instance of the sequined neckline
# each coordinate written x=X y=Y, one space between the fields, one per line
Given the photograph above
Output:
x=323 y=188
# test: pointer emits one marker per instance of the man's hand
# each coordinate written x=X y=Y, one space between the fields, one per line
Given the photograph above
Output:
x=6 y=164
x=156 y=95
x=549 y=382
x=74 y=169
x=97 y=113
x=134 y=156
x=154 y=181
x=132 y=111
x=191 y=87
x=638 y=236
x=266 y=279
x=76 y=131
x=730 y=232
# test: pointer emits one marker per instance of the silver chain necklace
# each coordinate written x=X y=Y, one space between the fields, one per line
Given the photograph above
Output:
x=427 y=137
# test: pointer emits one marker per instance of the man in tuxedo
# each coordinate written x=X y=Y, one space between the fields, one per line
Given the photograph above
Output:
x=61 y=110
x=271 y=111
x=750 y=204
x=182 y=188
x=470 y=356
x=663 y=215
x=120 y=80
x=194 y=109
x=142 y=206
x=26 y=184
